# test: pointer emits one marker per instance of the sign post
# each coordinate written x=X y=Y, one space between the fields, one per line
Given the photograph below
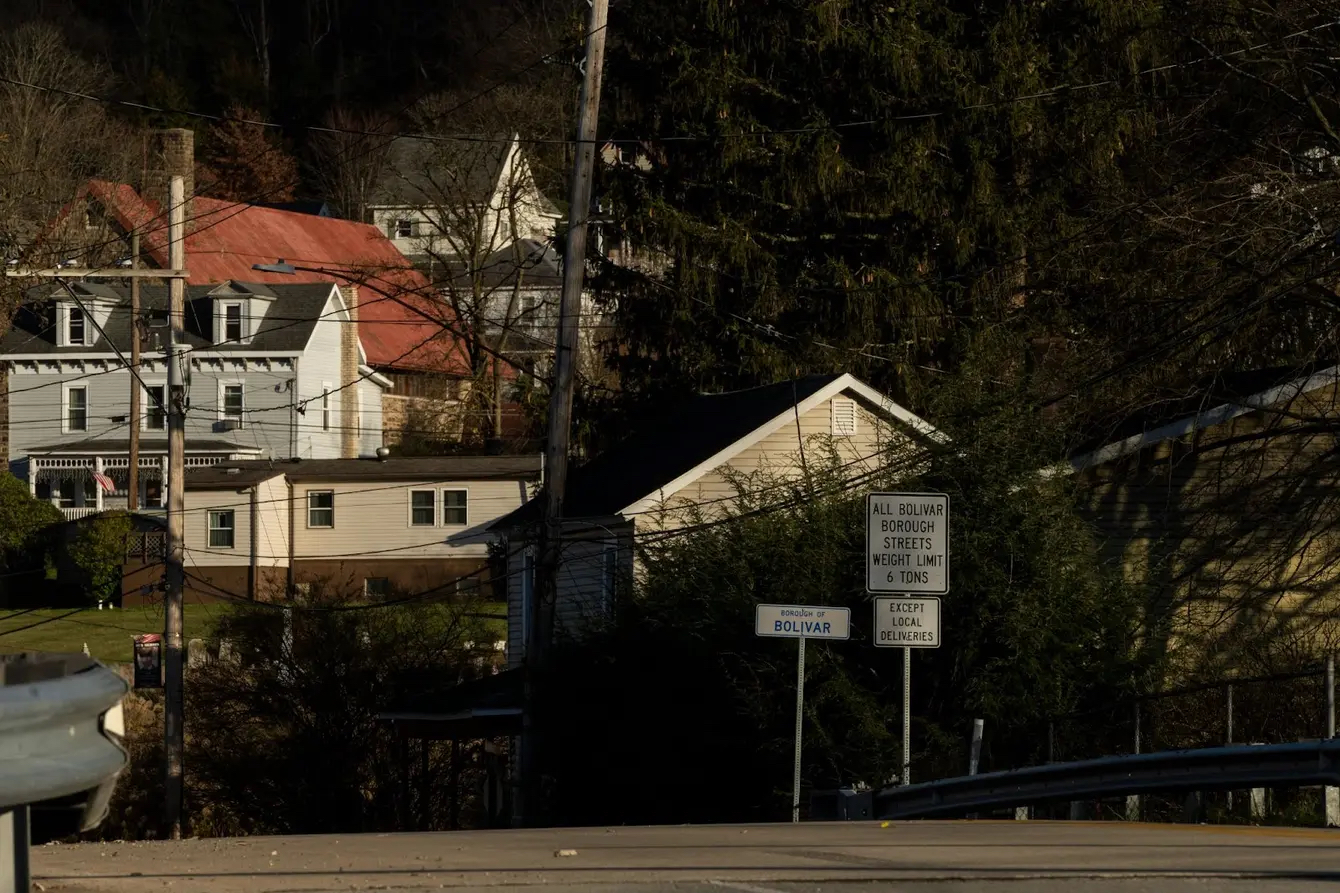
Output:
x=907 y=540
x=801 y=622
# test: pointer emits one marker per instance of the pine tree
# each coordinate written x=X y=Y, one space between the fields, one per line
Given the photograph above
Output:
x=246 y=162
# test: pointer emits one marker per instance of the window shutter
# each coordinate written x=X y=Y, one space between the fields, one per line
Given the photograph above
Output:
x=844 y=417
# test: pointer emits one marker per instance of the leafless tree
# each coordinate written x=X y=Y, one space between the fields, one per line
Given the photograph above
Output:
x=349 y=159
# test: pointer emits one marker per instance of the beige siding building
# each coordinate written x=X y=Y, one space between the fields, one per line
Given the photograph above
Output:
x=690 y=465
x=1220 y=505
x=379 y=527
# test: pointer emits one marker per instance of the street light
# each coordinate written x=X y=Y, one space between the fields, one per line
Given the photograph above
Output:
x=281 y=267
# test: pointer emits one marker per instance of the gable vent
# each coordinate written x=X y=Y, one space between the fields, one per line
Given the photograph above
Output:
x=844 y=417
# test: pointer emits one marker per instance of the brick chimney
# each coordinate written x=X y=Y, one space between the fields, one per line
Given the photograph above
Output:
x=171 y=153
x=349 y=420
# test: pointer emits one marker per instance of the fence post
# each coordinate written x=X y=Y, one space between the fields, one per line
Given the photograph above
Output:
x=15 y=876
x=1133 y=800
x=1228 y=736
x=1330 y=795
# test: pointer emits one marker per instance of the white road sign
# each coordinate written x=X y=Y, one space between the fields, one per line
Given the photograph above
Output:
x=907 y=622
x=802 y=621
x=907 y=538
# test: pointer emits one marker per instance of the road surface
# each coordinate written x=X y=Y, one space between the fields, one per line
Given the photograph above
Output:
x=927 y=857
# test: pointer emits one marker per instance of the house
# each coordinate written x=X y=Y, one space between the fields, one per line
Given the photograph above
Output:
x=468 y=197
x=687 y=466
x=271 y=373
x=379 y=527
x=1220 y=502
x=402 y=328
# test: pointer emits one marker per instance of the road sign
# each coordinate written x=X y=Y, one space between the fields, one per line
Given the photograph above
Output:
x=802 y=622
x=907 y=538
x=911 y=622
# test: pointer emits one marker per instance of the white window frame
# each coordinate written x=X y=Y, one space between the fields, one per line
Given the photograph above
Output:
x=147 y=403
x=84 y=327
x=444 y=491
x=210 y=515
x=527 y=595
x=327 y=410
x=224 y=385
x=839 y=426
x=609 y=575
x=409 y=224
x=65 y=409
x=410 y=507
x=310 y=525
x=241 y=323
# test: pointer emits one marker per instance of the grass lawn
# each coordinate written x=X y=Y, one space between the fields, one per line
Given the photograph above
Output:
x=107 y=632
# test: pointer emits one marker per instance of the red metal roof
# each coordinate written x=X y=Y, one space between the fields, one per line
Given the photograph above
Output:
x=224 y=239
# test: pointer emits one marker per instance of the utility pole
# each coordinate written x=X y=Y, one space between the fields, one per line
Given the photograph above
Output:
x=133 y=484
x=545 y=591
x=174 y=742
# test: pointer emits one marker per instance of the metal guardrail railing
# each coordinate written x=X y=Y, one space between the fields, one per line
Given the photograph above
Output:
x=61 y=728
x=1237 y=767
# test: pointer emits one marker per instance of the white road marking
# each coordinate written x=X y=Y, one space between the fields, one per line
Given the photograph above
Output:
x=742 y=887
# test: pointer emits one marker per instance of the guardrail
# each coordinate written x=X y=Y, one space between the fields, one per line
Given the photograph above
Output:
x=61 y=728
x=1236 y=767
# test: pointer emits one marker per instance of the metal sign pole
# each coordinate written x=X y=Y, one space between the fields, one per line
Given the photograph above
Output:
x=800 y=718
x=907 y=716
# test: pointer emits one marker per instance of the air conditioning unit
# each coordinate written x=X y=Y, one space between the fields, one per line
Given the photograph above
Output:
x=230 y=424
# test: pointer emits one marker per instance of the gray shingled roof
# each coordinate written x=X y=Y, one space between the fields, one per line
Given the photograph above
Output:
x=678 y=439
x=288 y=324
x=395 y=468
x=423 y=172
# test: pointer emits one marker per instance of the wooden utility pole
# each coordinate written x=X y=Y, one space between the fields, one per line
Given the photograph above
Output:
x=133 y=484
x=174 y=742
x=541 y=620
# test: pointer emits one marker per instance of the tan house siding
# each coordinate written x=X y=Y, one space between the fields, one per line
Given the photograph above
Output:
x=1229 y=530
x=779 y=456
x=372 y=519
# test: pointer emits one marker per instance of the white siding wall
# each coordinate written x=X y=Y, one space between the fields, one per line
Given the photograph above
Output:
x=35 y=404
x=372 y=520
x=592 y=569
x=196 y=541
x=370 y=394
x=321 y=363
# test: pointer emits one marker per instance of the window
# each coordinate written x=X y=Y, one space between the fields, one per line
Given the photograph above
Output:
x=221 y=529
x=527 y=594
x=231 y=404
x=321 y=508
x=376 y=587
x=422 y=508
x=453 y=507
x=402 y=228
x=844 y=417
x=609 y=575
x=66 y=497
x=155 y=398
x=232 y=322
x=325 y=406
x=75 y=326
x=76 y=409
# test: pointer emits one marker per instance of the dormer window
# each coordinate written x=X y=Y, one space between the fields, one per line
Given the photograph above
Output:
x=232 y=322
x=74 y=327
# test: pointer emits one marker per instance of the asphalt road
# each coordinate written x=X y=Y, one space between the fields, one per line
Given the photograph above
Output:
x=928 y=857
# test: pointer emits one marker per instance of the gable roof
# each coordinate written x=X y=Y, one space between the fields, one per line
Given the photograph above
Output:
x=1214 y=401
x=225 y=239
x=701 y=433
x=287 y=327
x=420 y=172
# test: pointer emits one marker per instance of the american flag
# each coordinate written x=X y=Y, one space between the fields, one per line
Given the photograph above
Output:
x=104 y=482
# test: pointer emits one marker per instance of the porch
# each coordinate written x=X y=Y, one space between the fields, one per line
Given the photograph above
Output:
x=96 y=477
